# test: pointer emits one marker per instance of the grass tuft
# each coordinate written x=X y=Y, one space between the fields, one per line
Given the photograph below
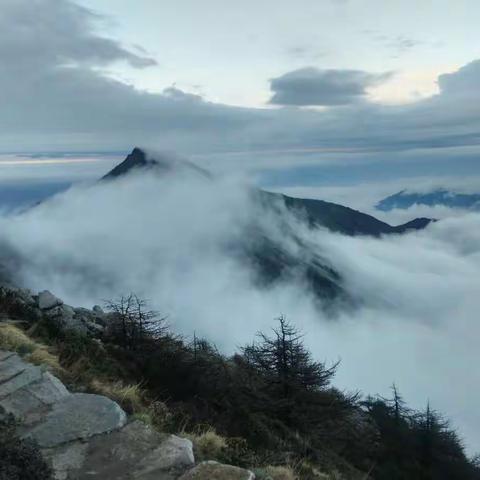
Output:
x=280 y=473
x=144 y=417
x=130 y=397
x=14 y=339
x=41 y=356
x=207 y=445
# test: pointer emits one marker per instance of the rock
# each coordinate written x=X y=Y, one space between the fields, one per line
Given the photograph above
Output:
x=49 y=390
x=64 y=312
x=65 y=317
x=30 y=403
x=67 y=311
x=217 y=471
x=174 y=453
x=47 y=300
x=26 y=295
x=11 y=365
x=5 y=355
x=16 y=374
x=66 y=458
x=95 y=328
x=135 y=452
x=77 y=417
x=89 y=321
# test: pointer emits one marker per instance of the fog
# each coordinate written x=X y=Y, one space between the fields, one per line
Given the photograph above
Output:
x=167 y=238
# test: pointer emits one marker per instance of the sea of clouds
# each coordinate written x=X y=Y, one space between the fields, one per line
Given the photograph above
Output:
x=166 y=238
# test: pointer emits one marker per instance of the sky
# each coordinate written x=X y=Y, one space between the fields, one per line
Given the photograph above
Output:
x=280 y=90
x=228 y=51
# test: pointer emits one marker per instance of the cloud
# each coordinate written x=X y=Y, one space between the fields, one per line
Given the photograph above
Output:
x=397 y=44
x=417 y=324
x=305 y=52
x=46 y=33
x=312 y=86
x=56 y=93
x=464 y=81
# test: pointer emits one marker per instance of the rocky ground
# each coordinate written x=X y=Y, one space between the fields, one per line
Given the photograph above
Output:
x=88 y=436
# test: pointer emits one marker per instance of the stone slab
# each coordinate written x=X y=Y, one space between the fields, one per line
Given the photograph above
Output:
x=78 y=417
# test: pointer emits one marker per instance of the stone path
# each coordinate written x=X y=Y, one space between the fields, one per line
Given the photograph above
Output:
x=86 y=436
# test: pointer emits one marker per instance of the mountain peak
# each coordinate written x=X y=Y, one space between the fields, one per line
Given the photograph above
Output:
x=162 y=162
x=136 y=159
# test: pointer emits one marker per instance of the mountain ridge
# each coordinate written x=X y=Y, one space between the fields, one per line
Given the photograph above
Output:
x=318 y=213
x=438 y=197
x=268 y=257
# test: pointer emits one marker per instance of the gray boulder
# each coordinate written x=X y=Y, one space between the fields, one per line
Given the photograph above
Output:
x=77 y=417
x=47 y=300
x=93 y=321
x=25 y=295
x=79 y=319
x=173 y=454
x=134 y=452
x=63 y=312
x=65 y=317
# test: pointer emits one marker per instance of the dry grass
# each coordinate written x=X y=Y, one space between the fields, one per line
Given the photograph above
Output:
x=208 y=445
x=41 y=356
x=280 y=473
x=130 y=397
x=305 y=469
x=144 y=417
x=14 y=339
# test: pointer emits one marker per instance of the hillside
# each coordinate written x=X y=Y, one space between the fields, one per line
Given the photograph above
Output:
x=97 y=394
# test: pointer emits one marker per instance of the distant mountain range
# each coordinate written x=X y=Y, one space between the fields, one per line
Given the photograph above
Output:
x=439 y=197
